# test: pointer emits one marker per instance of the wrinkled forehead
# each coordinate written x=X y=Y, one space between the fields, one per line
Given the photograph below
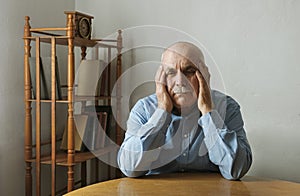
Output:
x=183 y=52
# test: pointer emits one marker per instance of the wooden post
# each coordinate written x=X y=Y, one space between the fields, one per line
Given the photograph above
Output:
x=53 y=115
x=119 y=134
x=28 y=118
x=108 y=74
x=38 y=117
x=71 y=151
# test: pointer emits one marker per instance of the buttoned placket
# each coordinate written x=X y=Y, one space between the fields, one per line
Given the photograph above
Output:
x=185 y=144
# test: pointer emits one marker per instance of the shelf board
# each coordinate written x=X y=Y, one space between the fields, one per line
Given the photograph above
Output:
x=78 y=41
x=63 y=40
x=49 y=101
x=91 y=98
x=75 y=99
x=62 y=157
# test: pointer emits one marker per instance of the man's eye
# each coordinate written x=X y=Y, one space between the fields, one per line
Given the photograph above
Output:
x=190 y=72
x=170 y=73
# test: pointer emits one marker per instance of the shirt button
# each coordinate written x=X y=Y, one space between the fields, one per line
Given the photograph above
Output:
x=185 y=135
x=184 y=154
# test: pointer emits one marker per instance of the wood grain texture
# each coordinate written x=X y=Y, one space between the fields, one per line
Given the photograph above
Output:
x=189 y=184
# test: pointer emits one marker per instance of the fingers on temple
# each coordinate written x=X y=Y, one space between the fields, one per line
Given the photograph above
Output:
x=199 y=77
x=160 y=76
x=203 y=77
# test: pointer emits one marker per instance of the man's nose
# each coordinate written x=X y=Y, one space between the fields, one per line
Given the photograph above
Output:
x=180 y=79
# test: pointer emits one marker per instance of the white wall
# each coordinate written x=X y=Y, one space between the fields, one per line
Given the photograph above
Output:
x=255 y=45
x=12 y=12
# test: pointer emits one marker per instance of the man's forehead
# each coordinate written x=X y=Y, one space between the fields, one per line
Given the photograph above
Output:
x=172 y=61
x=183 y=52
x=171 y=56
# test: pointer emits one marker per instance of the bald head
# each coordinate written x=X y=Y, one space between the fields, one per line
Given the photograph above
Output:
x=188 y=51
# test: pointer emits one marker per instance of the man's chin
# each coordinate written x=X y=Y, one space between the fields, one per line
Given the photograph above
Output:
x=183 y=96
x=184 y=100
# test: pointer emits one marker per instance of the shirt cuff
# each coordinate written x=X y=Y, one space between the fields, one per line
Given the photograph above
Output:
x=211 y=123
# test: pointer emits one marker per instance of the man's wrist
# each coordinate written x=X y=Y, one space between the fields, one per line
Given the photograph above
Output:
x=211 y=118
x=205 y=111
x=164 y=107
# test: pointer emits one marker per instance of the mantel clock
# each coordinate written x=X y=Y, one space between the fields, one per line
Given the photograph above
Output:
x=83 y=24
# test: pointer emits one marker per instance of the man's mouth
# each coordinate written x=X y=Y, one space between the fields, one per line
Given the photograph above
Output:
x=181 y=90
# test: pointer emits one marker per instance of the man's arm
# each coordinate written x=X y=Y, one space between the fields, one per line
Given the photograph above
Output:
x=142 y=140
x=146 y=134
x=226 y=142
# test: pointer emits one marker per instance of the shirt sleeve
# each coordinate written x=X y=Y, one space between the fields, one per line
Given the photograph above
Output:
x=226 y=142
x=143 y=138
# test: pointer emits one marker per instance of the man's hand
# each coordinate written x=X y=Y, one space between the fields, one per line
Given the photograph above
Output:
x=163 y=98
x=205 y=104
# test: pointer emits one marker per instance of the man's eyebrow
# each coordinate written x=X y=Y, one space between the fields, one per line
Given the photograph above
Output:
x=190 y=66
x=170 y=68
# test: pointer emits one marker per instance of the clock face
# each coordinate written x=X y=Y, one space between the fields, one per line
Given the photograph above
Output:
x=84 y=28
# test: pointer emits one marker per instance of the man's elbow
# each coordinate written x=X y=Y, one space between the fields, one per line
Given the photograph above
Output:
x=239 y=172
x=133 y=174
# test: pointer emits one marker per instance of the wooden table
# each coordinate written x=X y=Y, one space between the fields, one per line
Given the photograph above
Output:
x=190 y=184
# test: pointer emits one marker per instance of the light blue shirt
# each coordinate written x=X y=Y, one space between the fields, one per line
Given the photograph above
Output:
x=160 y=142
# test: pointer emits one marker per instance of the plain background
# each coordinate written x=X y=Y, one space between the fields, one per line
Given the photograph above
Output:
x=255 y=44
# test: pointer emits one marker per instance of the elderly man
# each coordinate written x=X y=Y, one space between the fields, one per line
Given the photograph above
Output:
x=185 y=126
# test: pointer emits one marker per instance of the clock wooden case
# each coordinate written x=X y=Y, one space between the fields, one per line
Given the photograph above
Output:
x=83 y=24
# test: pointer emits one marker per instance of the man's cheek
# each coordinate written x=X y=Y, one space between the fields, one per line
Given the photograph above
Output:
x=169 y=89
x=194 y=83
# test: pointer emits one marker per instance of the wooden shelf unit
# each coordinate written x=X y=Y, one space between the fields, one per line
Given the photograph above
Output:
x=70 y=157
